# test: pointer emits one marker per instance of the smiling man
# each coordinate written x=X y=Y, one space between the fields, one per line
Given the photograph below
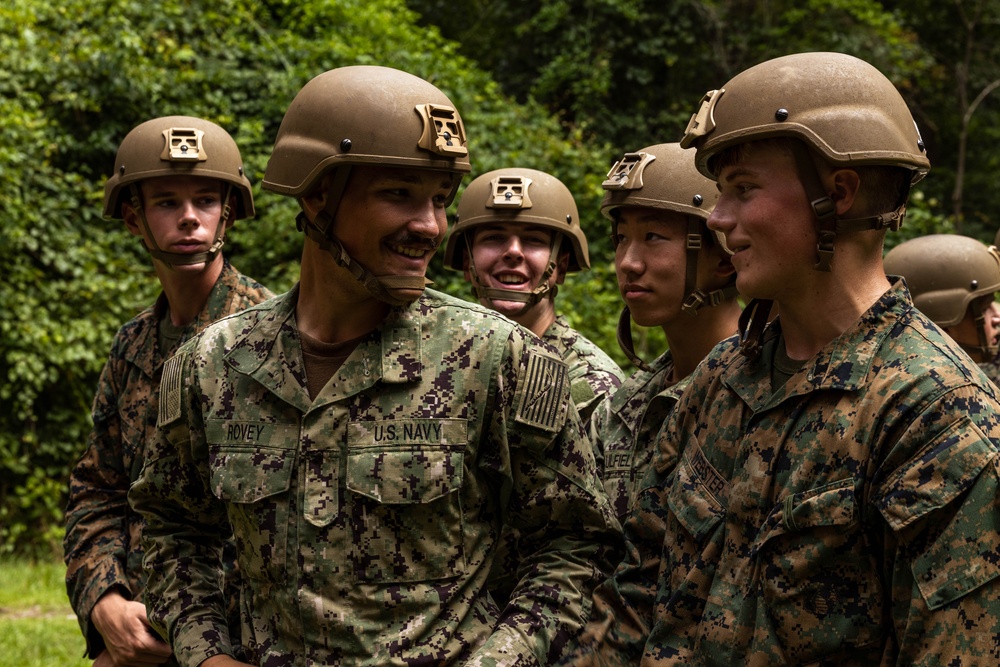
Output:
x=179 y=185
x=516 y=237
x=828 y=483
x=367 y=440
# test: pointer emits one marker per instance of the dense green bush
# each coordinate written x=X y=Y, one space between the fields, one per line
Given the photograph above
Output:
x=76 y=75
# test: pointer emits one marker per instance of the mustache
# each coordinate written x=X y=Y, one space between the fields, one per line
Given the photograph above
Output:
x=416 y=241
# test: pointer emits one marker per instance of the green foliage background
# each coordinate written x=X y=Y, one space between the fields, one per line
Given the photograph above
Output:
x=564 y=86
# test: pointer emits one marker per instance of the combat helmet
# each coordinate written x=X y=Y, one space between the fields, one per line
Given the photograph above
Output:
x=945 y=273
x=839 y=106
x=840 y=109
x=178 y=146
x=664 y=177
x=524 y=197
x=363 y=115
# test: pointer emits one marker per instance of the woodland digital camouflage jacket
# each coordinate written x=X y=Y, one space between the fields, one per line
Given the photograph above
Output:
x=366 y=520
x=851 y=518
x=102 y=544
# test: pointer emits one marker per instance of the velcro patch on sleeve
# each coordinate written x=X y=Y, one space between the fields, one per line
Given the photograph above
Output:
x=170 y=391
x=544 y=393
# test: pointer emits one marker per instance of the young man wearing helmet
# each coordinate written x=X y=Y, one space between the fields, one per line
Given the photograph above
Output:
x=674 y=273
x=828 y=481
x=178 y=185
x=954 y=280
x=516 y=236
x=367 y=439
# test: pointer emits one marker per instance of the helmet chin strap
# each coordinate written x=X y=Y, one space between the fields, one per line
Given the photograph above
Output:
x=696 y=297
x=984 y=349
x=393 y=290
x=828 y=226
x=173 y=259
x=529 y=299
x=625 y=340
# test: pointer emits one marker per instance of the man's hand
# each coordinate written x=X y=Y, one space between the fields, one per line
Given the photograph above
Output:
x=128 y=639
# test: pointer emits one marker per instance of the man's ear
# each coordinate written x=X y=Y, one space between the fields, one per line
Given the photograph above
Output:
x=465 y=265
x=315 y=200
x=562 y=266
x=131 y=218
x=845 y=184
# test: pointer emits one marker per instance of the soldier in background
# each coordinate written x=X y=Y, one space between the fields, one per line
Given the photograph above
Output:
x=954 y=280
x=178 y=185
x=828 y=485
x=368 y=439
x=516 y=236
x=673 y=273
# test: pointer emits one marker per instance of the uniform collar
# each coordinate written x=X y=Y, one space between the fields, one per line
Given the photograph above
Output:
x=142 y=351
x=270 y=351
x=844 y=364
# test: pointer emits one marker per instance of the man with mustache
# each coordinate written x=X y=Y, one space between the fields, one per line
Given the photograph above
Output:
x=367 y=439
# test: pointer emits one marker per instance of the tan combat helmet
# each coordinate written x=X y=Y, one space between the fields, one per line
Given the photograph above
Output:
x=524 y=197
x=363 y=115
x=664 y=177
x=178 y=146
x=945 y=273
x=841 y=107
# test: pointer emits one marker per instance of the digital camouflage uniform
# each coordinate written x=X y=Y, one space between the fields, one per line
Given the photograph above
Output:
x=593 y=377
x=992 y=370
x=592 y=373
x=102 y=546
x=624 y=427
x=852 y=518
x=366 y=519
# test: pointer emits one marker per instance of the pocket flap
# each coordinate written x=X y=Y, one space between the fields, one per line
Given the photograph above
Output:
x=242 y=474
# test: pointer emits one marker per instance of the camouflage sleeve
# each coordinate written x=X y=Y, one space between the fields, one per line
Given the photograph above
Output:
x=624 y=604
x=568 y=537
x=595 y=427
x=940 y=498
x=590 y=385
x=95 y=543
x=186 y=527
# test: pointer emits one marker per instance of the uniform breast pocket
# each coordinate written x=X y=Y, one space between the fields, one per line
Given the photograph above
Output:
x=254 y=482
x=820 y=586
x=406 y=512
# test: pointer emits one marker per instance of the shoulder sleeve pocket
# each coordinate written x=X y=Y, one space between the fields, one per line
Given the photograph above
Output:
x=960 y=466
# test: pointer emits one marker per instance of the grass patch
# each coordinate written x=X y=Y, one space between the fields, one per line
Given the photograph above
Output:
x=37 y=625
